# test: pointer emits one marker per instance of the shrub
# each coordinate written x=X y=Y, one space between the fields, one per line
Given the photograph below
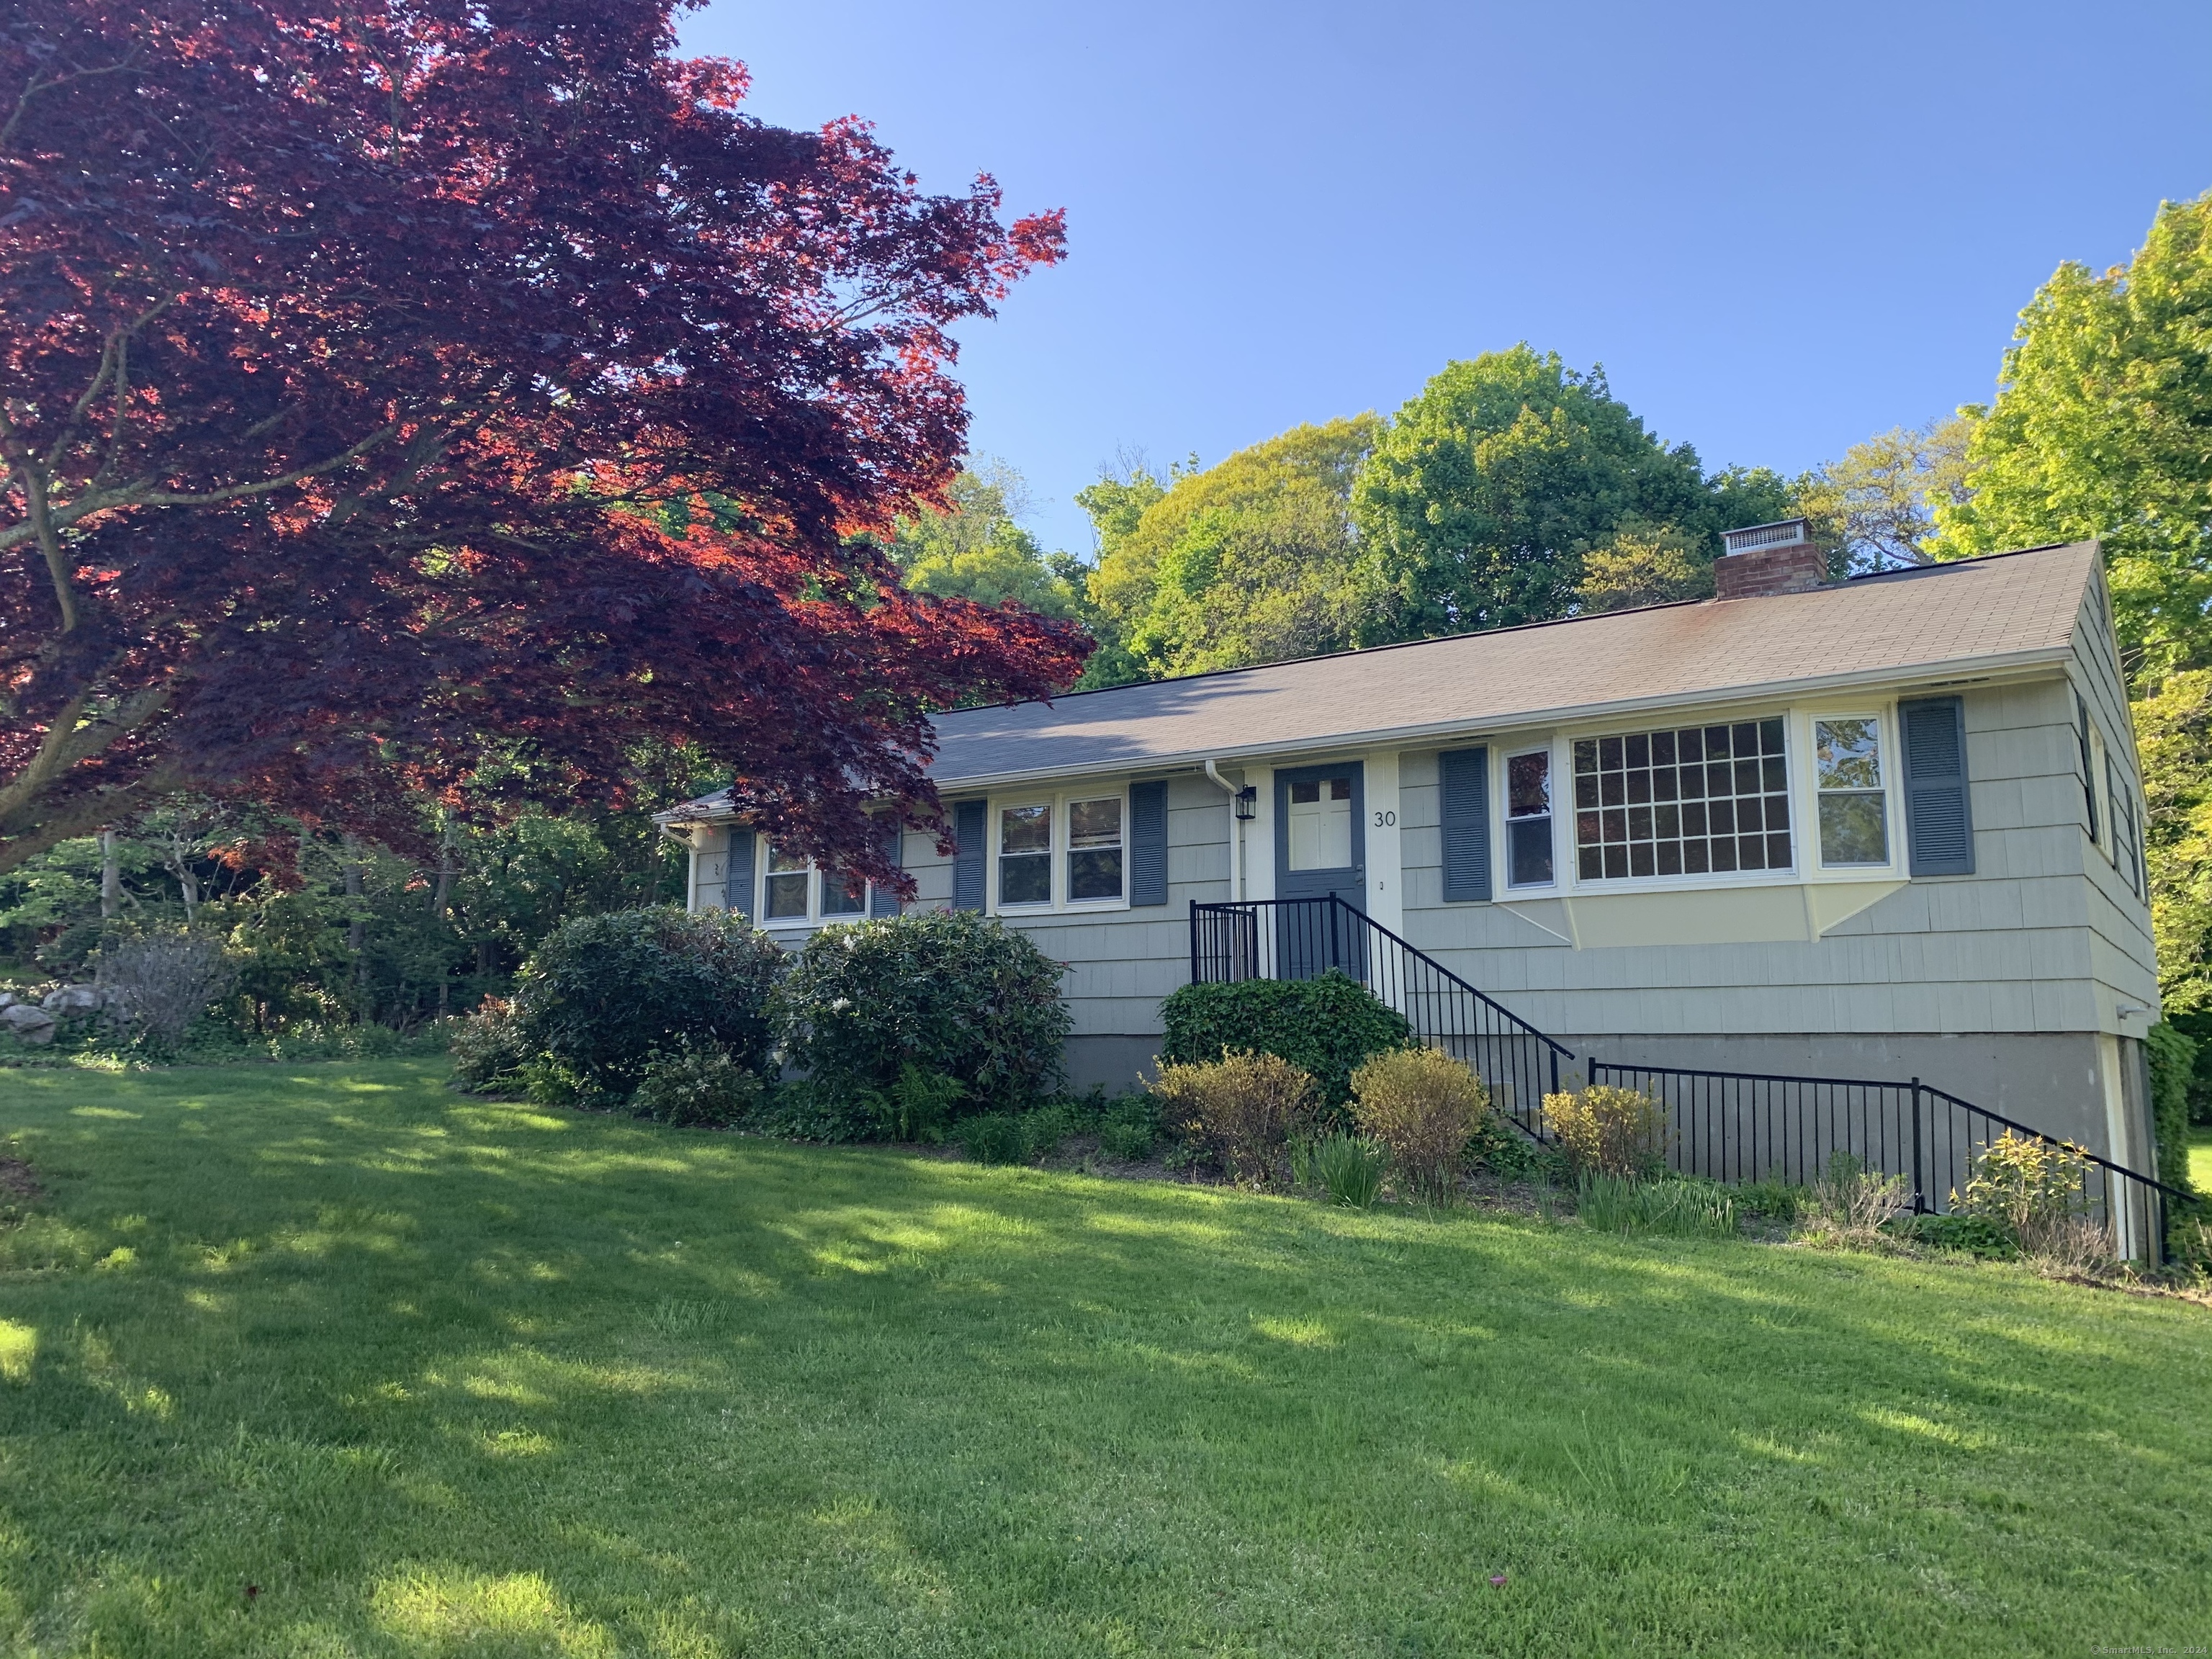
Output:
x=1678 y=1206
x=488 y=1046
x=2172 y=1058
x=696 y=1085
x=1128 y=1127
x=1849 y=1206
x=947 y=992
x=1498 y=1146
x=2034 y=1188
x=995 y=1137
x=160 y=983
x=1422 y=1107
x=1772 y=1198
x=922 y=1103
x=805 y=1109
x=604 y=994
x=1241 y=1109
x=1349 y=1169
x=1608 y=1131
x=1326 y=1027
x=1969 y=1235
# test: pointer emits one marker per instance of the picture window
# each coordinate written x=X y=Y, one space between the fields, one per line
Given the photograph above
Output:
x=1691 y=800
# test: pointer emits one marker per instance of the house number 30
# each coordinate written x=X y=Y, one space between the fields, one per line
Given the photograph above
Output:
x=1385 y=820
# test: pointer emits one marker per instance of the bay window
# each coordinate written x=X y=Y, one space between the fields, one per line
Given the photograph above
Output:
x=1684 y=800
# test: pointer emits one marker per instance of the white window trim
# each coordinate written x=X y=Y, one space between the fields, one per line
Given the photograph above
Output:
x=813 y=918
x=1507 y=755
x=1884 y=717
x=1060 y=801
x=2107 y=841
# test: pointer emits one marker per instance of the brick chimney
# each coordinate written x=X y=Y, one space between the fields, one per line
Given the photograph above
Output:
x=1768 y=558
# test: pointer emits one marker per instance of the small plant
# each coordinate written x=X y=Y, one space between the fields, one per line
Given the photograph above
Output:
x=2035 y=1189
x=1128 y=1128
x=994 y=1138
x=696 y=1084
x=1348 y=1168
x=1675 y=1207
x=1504 y=1151
x=1050 y=1125
x=919 y=1105
x=1966 y=1235
x=159 y=984
x=1423 y=1106
x=1849 y=1205
x=1243 y=1109
x=1609 y=1131
x=487 y=1047
x=1771 y=1198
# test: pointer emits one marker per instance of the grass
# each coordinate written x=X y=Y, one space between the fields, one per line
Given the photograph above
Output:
x=437 y=1377
x=2200 y=1159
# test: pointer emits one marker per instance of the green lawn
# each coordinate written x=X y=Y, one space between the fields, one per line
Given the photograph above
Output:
x=2200 y=1159
x=440 y=1377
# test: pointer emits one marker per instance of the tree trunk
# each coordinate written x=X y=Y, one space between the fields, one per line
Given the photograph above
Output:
x=188 y=881
x=356 y=929
x=111 y=876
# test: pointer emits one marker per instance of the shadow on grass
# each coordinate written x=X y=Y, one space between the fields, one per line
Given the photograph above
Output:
x=439 y=1375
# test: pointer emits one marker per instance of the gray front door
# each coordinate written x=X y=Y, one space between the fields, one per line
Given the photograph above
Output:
x=1321 y=849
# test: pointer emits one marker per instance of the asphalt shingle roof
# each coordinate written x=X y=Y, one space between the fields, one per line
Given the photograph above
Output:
x=1908 y=624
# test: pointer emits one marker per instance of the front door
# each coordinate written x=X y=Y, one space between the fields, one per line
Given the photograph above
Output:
x=1321 y=849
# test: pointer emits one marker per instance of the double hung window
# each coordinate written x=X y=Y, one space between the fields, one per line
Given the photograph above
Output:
x=1687 y=800
x=1847 y=776
x=1065 y=851
x=1528 y=818
x=795 y=890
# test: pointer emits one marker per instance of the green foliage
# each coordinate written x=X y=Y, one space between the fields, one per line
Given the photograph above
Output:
x=2098 y=430
x=1251 y=560
x=1325 y=1026
x=1771 y=1198
x=1422 y=1107
x=605 y=993
x=1965 y=1235
x=1608 y=1131
x=922 y=1103
x=1851 y=1206
x=1349 y=1169
x=1483 y=501
x=1877 y=505
x=1128 y=1128
x=1678 y=1206
x=487 y=1047
x=2033 y=1188
x=2173 y=1057
x=995 y=1137
x=1243 y=1110
x=977 y=550
x=805 y=1109
x=1503 y=1150
x=695 y=1084
x=946 y=990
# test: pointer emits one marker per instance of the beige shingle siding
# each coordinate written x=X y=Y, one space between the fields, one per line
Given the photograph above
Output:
x=1908 y=624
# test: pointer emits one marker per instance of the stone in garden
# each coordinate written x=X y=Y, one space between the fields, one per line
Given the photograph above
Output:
x=28 y=1024
x=71 y=999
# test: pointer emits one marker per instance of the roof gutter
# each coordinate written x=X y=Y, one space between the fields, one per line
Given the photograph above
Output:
x=1235 y=836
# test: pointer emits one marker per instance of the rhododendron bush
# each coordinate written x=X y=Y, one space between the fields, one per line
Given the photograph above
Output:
x=386 y=386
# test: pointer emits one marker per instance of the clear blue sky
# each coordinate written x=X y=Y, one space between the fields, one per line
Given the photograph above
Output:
x=1780 y=227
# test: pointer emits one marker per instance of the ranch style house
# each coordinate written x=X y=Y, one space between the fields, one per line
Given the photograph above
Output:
x=1884 y=828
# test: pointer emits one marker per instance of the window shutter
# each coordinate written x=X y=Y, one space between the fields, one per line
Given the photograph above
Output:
x=2088 y=767
x=1938 y=817
x=738 y=871
x=1148 y=843
x=2127 y=846
x=1464 y=777
x=967 y=827
x=884 y=902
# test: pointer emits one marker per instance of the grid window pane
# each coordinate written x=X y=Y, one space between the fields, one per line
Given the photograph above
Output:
x=1686 y=801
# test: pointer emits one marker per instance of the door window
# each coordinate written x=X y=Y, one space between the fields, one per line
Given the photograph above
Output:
x=1321 y=825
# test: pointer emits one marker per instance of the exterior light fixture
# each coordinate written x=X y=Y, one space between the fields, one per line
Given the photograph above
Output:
x=1247 y=803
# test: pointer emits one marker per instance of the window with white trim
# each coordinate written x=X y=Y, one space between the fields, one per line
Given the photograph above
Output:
x=1848 y=786
x=1025 y=853
x=1095 y=849
x=1529 y=819
x=1063 y=851
x=796 y=891
x=1683 y=801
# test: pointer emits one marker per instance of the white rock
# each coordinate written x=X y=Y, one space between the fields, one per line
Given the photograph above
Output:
x=74 y=1000
x=30 y=1024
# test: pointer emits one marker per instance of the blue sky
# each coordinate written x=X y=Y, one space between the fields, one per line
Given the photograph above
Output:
x=1780 y=227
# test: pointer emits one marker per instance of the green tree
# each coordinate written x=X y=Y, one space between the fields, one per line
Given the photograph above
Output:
x=1482 y=502
x=977 y=550
x=1117 y=504
x=1877 y=505
x=2102 y=427
x=1253 y=559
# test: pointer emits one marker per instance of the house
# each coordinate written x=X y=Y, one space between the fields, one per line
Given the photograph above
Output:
x=1885 y=828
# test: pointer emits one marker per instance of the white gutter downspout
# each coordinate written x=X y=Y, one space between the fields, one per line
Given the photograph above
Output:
x=1236 y=837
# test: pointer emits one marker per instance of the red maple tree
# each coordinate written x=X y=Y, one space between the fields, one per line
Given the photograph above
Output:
x=389 y=384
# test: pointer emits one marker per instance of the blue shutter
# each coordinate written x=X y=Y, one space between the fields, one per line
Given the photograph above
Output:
x=1938 y=817
x=1463 y=777
x=1148 y=843
x=884 y=902
x=967 y=831
x=737 y=870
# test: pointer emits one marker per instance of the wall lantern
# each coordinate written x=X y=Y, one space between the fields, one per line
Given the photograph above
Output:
x=1247 y=804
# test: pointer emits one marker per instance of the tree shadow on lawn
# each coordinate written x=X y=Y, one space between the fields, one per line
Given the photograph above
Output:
x=434 y=1374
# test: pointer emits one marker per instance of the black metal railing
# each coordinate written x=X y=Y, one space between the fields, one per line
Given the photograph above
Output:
x=1746 y=1125
x=1305 y=938
x=1729 y=1126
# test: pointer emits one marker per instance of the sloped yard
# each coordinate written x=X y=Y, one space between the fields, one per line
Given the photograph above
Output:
x=326 y=1359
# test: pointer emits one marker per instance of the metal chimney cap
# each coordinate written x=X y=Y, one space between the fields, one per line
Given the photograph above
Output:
x=1783 y=532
